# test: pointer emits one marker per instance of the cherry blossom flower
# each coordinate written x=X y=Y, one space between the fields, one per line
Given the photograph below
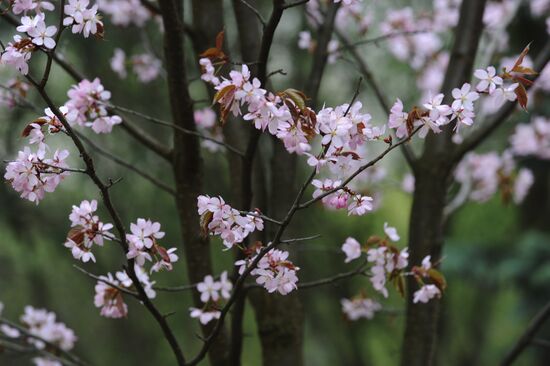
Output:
x=118 y=63
x=146 y=66
x=32 y=174
x=87 y=106
x=391 y=232
x=144 y=233
x=426 y=293
x=109 y=299
x=398 y=119
x=18 y=53
x=86 y=231
x=522 y=184
x=23 y=6
x=464 y=98
x=209 y=289
x=225 y=286
x=219 y=218
x=352 y=249
x=125 y=12
x=489 y=80
x=205 y=316
x=407 y=185
x=358 y=308
x=42 y=323
x=42 y=35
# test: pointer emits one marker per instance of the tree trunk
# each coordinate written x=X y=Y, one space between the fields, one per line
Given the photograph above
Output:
x=432 y=179
x=187 y=164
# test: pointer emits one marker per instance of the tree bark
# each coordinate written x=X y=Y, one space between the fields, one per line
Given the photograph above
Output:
x=187 y=164
x=433 y=173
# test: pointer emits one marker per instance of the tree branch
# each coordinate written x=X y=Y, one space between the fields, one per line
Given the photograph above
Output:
x=527 y=336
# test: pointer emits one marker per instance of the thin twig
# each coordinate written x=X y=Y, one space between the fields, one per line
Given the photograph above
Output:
x=179 y=128
x=127 y=165
x=109 y=283
x=526 y=338
x=255 y=11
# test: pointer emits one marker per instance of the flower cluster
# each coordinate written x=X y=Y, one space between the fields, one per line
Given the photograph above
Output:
x=87 y=106
x=16 y=92
x=86 y=231
x=461 y=111
x=283 y=114
x=205 y=120
x=108 y=295
x=483 y=174
x=424 y=273
x=212 y=292
x=388 y=264
x=274 y=271
x=125 y=12
x=143 y=245
x=36 y=28
x=359 y=307
x=24 y=6
x=42 y=325
x=83 y=19
x=532 y=139
x=18 y=53
x=219 y=218
x=305 y=42
x=146 y=66
x=32 y=174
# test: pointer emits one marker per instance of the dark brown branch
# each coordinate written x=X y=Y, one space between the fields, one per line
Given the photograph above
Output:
x=528 y=335
x=295 y=3
x=255 y=11
x=107 y=201
x=50 y=53
x=98 y=278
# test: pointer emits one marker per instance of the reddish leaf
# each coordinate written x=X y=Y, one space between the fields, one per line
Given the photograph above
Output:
x=522 y=55
x=27 y=130
x=437 y=278
x=219 y=40
x=206 y=218
x=223 y=92
x=521 y=94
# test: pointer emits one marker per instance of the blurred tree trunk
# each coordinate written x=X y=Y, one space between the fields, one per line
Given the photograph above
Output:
x=279 y=318
x=187 y=162
x=433 y=176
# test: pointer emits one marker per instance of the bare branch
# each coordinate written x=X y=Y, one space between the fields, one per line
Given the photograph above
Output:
x=107 y=201
x=179 y=128
x=98 y=278
x=255 y=11
x=127 y=165
x=527 y=336
x=296 y=3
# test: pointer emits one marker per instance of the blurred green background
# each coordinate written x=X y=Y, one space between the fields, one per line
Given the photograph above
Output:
x=496 y=256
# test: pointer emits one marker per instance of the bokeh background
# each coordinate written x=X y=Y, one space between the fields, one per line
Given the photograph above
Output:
x=496 y=255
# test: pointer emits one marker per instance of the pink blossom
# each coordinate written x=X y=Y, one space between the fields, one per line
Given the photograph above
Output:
x=357 y=308
x=426 y=293
x=352 y=249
